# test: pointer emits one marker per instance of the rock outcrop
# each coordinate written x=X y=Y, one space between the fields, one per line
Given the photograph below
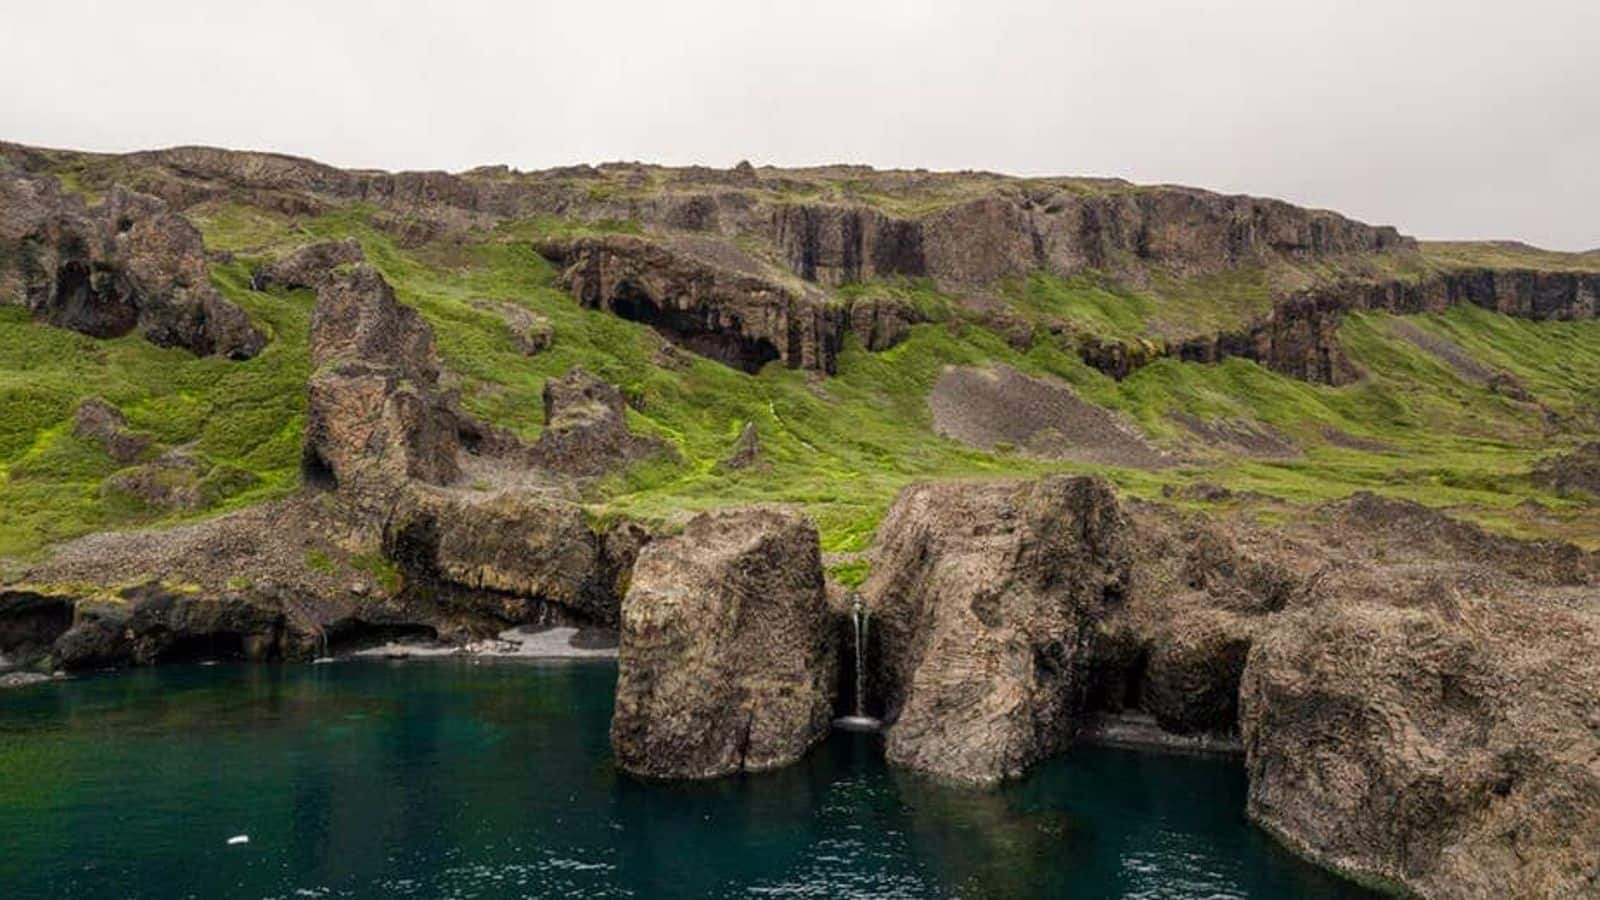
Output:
x=1300 y=336
x=308 y=266
x=737 y=318
x=883 y=322
x=1012 y=229
x=984 y=598
x=1426 y=715
x=728 y=653
x=129 y=263
x=99 y=421
x=586 y=428
x=515 y=555
x=377 y=417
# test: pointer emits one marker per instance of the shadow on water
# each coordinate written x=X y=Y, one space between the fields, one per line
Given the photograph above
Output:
x=455 y=778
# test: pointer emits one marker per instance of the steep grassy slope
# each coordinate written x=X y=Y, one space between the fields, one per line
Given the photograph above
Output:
x=1418 y=426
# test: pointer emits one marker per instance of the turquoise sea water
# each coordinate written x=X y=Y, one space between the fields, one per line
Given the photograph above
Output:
x=445 y=779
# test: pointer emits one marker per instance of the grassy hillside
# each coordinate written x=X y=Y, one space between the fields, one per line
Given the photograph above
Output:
x=1422 y=425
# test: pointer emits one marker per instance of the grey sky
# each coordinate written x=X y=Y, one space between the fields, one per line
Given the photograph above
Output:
x=1448 y=118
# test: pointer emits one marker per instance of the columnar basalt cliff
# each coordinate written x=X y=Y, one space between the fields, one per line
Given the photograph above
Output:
x=1300 y=336
x=733 y=317
x=128 y=263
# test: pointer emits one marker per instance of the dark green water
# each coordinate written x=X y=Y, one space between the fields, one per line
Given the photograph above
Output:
x=452 y=779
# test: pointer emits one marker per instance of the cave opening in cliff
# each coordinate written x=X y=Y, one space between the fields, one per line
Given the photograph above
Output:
x=316 y=473
x=366 y=635
x=87 y=304
x=209 y=645
x=31 y=624
x=695 y=332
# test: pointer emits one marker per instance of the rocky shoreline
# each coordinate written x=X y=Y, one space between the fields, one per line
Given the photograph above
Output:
x=1414 y=698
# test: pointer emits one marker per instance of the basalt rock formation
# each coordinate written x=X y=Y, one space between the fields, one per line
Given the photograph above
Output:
x=1300 y=337
x=308 y=266
x=129 y=263
x=1429 y=718
x=728 y=656
x=586 y=428
x=737 y=318
x=985 y=598
x=377 y=417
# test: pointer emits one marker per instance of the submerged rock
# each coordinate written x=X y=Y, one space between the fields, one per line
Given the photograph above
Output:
x=728 y=651
x=984 y=597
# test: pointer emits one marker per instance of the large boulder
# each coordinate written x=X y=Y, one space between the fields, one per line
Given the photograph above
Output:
x=1447 y=744
x=129 y=263
x=516 y=551
x=728 y=651
x=984 y=598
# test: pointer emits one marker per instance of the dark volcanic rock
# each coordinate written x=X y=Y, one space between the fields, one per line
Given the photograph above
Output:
x=728 y=656
x=586 y=427
x=737 y=318
x=1300 y=336
x=126 y=264
x=307 y=266
x=985 y=598
x=521 y=549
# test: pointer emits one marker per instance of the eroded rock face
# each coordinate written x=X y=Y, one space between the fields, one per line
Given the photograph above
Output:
x=520 y=550
x=985 y=597
x=377 y=417
x=728 y=654
x=1300 y=336
x=734 y=317
x=126 y=264
x=883 y=322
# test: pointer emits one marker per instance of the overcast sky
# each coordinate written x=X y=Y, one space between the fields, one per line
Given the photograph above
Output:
x=1448 y=118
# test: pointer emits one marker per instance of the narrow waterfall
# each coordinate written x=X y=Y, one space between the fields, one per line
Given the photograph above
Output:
x=860 y=617
x=859 y=720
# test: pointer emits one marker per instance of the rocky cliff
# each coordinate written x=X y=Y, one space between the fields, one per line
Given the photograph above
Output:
x=127 y=264
x=729 y=654
x=984 y=599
